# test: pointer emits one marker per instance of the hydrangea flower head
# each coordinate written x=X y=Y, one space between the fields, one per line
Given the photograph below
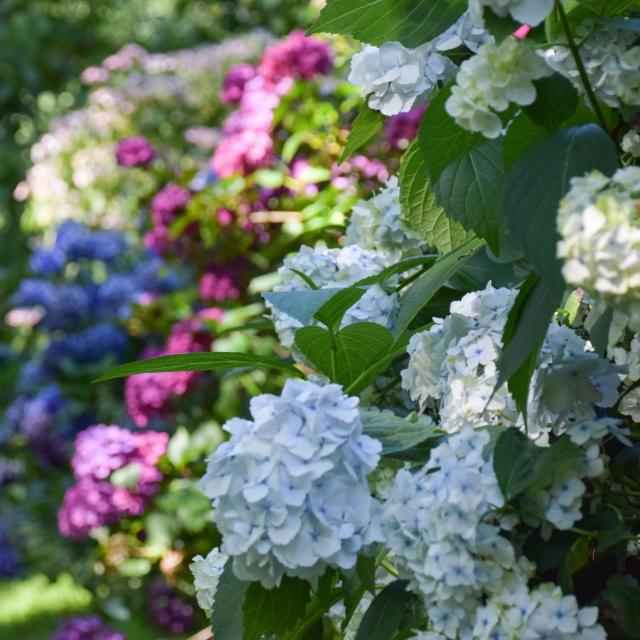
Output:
x=401 y=129
x=611 y=59
x=297 y=56
x=171 y=612
x=377 y=225
x=289 y=487
x=600 y=238
x=134 y=152
x=235 y=81
x=86 y=628
x=393 y=78
x=169 y=201
x=488 y=82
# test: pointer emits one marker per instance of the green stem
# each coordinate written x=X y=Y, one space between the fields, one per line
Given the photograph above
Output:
x=579 y=65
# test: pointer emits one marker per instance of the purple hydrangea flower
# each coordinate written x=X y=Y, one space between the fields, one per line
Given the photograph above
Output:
x=169 y=201
x=235 y=81
x=169 y=610
x=296 y=57
x=134 y=152
x=89 y=345
x=401 y=129
x=86 y=628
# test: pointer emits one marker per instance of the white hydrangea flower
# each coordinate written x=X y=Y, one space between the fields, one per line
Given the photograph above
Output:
x=611 y=61
x=488 y=82
x=631 y=143
x=394 y=78
x=377 y=225
x=290 y=488
x=628 y=358
x=600 y=238
x=334 y=268
x=453 y=368
x=206 y=575
x=630 y=404
x=439 y=523
x=531 y=12
x=462 y=32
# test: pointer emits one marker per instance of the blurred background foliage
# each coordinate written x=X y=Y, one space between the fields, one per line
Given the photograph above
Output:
x=45 y=44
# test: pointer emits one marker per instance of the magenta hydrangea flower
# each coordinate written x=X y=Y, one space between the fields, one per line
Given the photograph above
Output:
x=221 y=282
x=86 y=628
x=134 y=152
x=242 y=153
x=235 y=81
x=93 y=501
x=149 y=395
x=400 y=129
x=169 y=201
x=296 y=57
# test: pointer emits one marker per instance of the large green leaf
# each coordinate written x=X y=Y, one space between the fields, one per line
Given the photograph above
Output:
x=199 y=362
x=271 y=613
x=227 y=616
x=538 y=181
x=610 y=8
x=527 y=326
x=419 y=206
x=382 y=618
x=411 y=22
x=522 y=134
x=441 y=140
x=396 y=434
x=333 y=310
x=343 y=357
x=428 y=284
x=470 y=189
x=365 y=125
x=625 y=597
x=555 y=103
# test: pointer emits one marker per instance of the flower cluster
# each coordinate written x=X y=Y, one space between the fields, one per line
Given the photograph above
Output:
x=289 y=487
x=377 y=225
x=170 y=612
x=441 y=526
x=206 y=575
x=135 y=151
x=488 y=82
x=395 y=78
x=333 y=268
x=453 y=367
x=97 y=498
x=247 y=143
x=531 y=12
x=600 y=239
x=148 y=396
x=86 y=628
x=611 y=60
x=400 y=129
x=165 y=207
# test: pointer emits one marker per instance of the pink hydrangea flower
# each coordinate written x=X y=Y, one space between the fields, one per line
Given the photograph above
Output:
x=235 y=81
x=134 y=152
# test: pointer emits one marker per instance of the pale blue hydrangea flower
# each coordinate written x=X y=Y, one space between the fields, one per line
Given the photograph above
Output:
x=206 y=575
x=531 y=12
x=289 y=487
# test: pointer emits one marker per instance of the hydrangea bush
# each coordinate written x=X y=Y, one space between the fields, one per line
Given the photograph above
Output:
x=454 y=454
x=153 y=233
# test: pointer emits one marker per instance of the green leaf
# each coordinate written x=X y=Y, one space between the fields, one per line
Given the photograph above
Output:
x=306 y=278
x=227 y=616
x=514 y=461
x=419 y=206
x=365 y=125
x=555 y=103
x=576 y=559
x=441 y=140
x=271 y=613
x=399 y=267
x=199 y=362
x=610 y=8
x=522 y=134
x=301 y=305
x=555 y=462
x=396 y=434
x=428 y=284
x=349 y=353
x=333 y=310
x=470 y=188
x=482 y=268
x=610 y=525
x=382 y=618
x=537 y=182
x=411 y=22
x=498 y=27
x=366 y=572
x=626 y=599
x=126 y=477
x=599 y=330
x=526 y=328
